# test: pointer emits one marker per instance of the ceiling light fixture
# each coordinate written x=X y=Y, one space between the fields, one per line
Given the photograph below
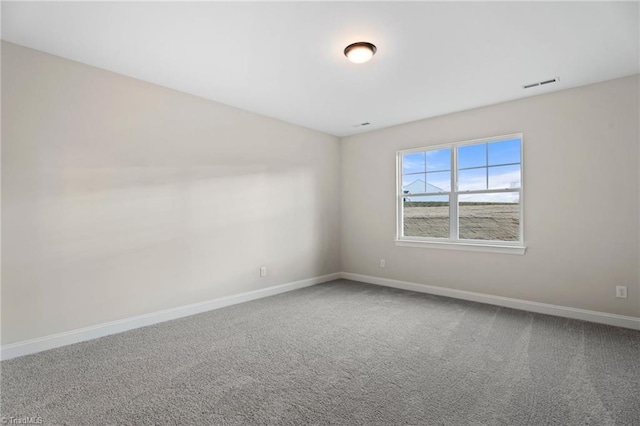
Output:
x=360 y=52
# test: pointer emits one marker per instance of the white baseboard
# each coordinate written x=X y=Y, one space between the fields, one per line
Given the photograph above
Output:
x=31 y=346
x=525 y=305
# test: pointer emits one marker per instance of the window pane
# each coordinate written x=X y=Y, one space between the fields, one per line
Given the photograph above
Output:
x=439 y=182
x=504 y=152
x=472 y=179
x=501 y=177
x=413 y=163
x=426 y=216
x=472 y=156
x=414 y=184
x=489 y=216
x=439 y=160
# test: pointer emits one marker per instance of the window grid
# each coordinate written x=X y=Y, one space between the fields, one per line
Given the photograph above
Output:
x=453 y=194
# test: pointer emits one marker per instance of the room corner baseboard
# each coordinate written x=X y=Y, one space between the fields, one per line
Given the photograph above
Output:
x=525 y=305
x=31 y=346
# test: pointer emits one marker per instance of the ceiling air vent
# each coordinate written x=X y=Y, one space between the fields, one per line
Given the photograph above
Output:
x=541 y=83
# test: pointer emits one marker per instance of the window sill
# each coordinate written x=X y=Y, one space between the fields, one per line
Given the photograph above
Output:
x=448 y=245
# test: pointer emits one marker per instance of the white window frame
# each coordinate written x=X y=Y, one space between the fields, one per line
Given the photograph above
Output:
x=453 y=242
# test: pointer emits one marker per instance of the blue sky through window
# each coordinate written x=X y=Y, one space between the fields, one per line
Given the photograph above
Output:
x=472 y=156
x=504 y=152
x=482 y=166
x=439 y=160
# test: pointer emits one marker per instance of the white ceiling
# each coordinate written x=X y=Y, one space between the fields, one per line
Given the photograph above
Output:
x=285 y=60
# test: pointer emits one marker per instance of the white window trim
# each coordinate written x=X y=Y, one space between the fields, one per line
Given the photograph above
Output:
x=452 y=243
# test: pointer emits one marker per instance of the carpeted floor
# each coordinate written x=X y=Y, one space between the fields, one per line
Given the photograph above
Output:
x=339 y=353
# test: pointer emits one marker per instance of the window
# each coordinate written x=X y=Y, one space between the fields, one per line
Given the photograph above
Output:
x=462 y=194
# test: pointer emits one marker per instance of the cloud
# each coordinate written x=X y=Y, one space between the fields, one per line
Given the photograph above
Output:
x=498 y=197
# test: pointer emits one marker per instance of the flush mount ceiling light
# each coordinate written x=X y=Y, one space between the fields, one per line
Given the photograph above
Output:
x=360 y=52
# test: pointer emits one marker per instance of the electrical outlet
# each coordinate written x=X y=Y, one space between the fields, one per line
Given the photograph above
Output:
x=621 y=291
x=263 y=271
x=383 y=263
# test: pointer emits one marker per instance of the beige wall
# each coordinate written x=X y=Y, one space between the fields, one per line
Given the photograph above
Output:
x=121 y=198
x=580 y=203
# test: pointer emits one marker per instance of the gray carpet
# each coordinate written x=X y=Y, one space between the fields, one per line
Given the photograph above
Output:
x=339 y=353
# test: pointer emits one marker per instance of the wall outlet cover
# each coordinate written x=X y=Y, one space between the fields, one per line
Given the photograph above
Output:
x=621 y=291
